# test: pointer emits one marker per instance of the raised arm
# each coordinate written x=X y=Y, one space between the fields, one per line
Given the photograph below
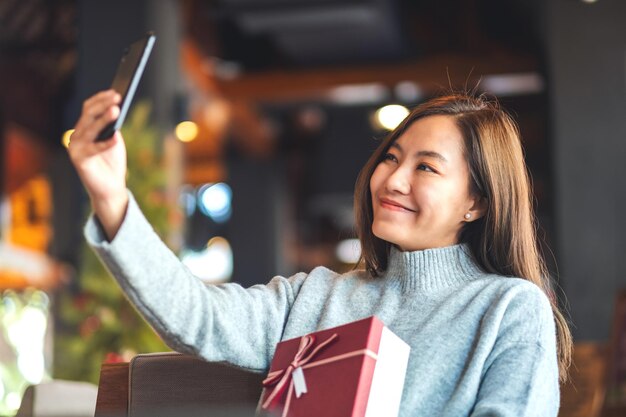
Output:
x=217 y=322
x=101 y=165
x=220 y=323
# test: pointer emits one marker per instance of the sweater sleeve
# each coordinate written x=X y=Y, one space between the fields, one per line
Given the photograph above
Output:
x=217 y=322
x=521 y=376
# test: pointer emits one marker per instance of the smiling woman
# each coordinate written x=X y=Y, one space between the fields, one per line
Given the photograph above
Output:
x=421 y=194
x=454 y=172
x=451 y=266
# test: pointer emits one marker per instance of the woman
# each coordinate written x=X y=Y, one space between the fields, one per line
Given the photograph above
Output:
x=445 y=220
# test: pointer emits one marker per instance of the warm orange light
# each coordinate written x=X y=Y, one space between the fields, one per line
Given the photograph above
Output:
x=186 y=131
x=66 y=137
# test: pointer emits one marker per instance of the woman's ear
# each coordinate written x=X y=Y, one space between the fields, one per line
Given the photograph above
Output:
x=477 y=210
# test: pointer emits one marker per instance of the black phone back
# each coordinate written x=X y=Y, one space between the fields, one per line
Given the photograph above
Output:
x=126 y=80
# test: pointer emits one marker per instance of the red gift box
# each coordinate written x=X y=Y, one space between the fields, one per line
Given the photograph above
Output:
x=354 y=370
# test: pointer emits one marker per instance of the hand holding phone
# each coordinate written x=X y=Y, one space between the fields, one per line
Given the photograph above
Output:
x=126 y=80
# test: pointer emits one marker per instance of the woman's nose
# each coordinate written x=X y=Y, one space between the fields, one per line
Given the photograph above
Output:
x=398 y=181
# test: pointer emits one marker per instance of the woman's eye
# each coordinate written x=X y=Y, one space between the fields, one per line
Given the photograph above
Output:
x=390 y=157
x=424 y=167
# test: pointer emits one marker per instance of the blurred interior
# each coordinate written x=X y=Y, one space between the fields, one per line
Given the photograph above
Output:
x=249 y=130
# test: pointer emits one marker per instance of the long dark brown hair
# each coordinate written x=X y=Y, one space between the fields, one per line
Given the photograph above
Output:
x=504 y=240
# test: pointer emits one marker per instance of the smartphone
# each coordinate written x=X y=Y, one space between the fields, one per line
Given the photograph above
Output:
x=127 y=78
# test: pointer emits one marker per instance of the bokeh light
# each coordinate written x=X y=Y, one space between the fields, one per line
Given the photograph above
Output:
x=214 y=263
x=214 y=200
x=65 y=140
x=186 y=131
x=348 y=251
x=390 y=116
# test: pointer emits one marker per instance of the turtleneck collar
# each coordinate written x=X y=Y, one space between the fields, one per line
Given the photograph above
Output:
x=431 y=269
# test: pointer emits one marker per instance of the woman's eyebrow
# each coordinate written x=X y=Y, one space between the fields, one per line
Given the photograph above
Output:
x=431 y=154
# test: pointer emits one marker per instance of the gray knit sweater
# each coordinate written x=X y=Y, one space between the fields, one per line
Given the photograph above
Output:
x=481 y=344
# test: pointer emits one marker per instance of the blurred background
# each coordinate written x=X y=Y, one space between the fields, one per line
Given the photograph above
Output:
x=247 y=134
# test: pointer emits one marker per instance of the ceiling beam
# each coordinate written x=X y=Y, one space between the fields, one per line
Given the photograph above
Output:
x=432 y=74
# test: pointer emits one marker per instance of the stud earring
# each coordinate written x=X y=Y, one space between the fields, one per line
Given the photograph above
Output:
x=467 y=216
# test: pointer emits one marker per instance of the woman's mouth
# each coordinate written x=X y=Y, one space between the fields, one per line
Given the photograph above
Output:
x=394 y=205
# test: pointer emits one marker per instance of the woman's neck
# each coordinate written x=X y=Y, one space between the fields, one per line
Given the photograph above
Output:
x=431 y=269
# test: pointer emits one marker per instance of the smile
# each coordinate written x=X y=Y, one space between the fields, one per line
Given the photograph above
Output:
x=394 y=206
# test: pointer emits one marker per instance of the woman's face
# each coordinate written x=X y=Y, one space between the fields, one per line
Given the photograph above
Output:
x=421 y=189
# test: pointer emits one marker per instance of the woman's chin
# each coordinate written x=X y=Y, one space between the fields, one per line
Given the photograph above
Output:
x=385 y=234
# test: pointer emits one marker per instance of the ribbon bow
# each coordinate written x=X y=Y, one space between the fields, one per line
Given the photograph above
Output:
x=282 y=378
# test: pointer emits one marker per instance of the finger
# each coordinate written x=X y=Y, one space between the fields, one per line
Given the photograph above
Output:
x=95 y=106
x=92 y=130
x=102 y=95
x=93 y=113
x=81 y=151
x=109 y=116
x=105 y=144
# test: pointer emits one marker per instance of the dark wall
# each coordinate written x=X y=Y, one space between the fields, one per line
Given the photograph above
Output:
x=587 y=69
x=255 y=228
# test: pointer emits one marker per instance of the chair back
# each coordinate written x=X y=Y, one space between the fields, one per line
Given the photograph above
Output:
x=173 y=382
x=166 y=384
